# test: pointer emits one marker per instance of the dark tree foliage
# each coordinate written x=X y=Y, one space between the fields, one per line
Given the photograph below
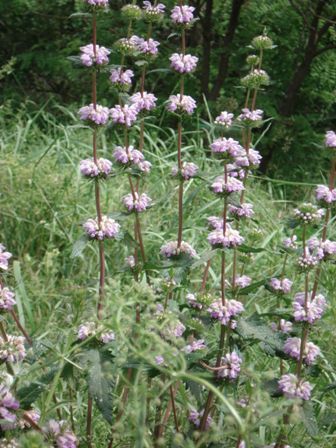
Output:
x=38 y=36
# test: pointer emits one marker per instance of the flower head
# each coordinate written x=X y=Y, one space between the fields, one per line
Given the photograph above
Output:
x=227 y=147
x=4 y=257
x=231 y=238
x=149 y=47
x=8 y=406
x=98 y=115
x=224 y=119
x=89 y=57
x=60 y=434
x=230 y=366
x=143 y=101
x=108 y=228
x=262 y=42
x=138 y=203
x=90 y=169
x=121 y=78
x=127 y=155
x=179 y=104
x=283 y=326
x=128 y=45
x=308 y=213
x=192 y=301
x=194 y=346
x=244 y=210
x=97 y=3
x=292 y=348
x=12 y=349
x=325 y=195
x=290 y=243
x=243 y=281
x=171 y=250
x=225 y=313
x=153 y=12
x=330 y=139
x=251 y=118
x=292 y=387
x=312 y=310
x=183 y=63
x=125 y=115
x=195 y=418
x=182 y=14
x=188 y=170
x=231 y=185
x=7 y=298
x=255 y=79
x=283 y=285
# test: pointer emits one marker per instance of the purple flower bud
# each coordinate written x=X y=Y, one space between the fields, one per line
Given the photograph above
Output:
x=251 y=118
x=88 y=58
x=179 y=105
x=194 y=346
x=159 y=360
x=153 y=10
x=107 y=337
x=182 y=14
x=143 y=101
x=308 y=213
x=183 y=63
x=227 y=146
x=195 y=418
x=137 y=203
x=171 y=250
x=86 y=330
x=283 y=285
x=126 y=115
x=292 y=387
x=192 y=301
x=8 y=404
x=224 y=119
x=108 y=228
x=4 y=257
x=230 y=239
x=98 y=115
x=98 y=3
x=224 y=313
x=330 y=139
x=283 y=326
x=290 y=243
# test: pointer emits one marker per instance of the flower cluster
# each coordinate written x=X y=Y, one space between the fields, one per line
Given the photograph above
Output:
x=92 y=329
x=171 y=250
x=325 y=195
x=96 y=115
x=136 y=202
x=107 y=228
x=125 y=115
x=224 y=119
x=308 y=308
x=195 y=418
x=153 y=12
x=227 y=147
x=228 y=239
x=120 y=78
x=311 y=351
x=188 y=170
x=308 y=213
x=4 y=257
x=284 y=326
x=230 y=366
x=194 y=346
x=183 y=63
x=12 y=348
x=181 y=104
x=225 y=313
x=7 y=298
x=129 y=156
x=89 y=56
x=102 y=168
x=244 y=210
x=182 y=14
x=293 y=387
x=60 y=434
x=222 y=186
x=8 y=406
x=143 y=101
x=330 y=139
x=283 y=285
x=251 y=118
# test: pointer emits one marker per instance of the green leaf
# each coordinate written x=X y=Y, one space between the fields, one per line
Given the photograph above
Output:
x=79 y=246
x=309 y=419
x=254 y=328
x=249 y=249
x=252 y=287
x=30 y=393
x=101 y=382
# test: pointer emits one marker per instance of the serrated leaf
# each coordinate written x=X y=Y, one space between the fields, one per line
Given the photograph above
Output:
x=254 y=328
x=252 y=287
x=80 y=14
x=309 y=419
x=78 y=247
x=101 y=382
x=30 y=393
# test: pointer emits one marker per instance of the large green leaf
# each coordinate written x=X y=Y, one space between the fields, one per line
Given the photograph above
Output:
x=255 y=329
x=309 y=419
x=100 y=381
x=30 y=393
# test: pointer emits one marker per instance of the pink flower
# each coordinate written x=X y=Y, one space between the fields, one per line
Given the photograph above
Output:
x=7 y=298
x=230 y=239
x=230 y=366
x=88 y=58
x=121 y=77
x=182 y=14
x=183 y=63
x=108 y=228
x=242 y=211
x=148 y=47
x=194 y=346
x=232 y=185
x=292 y=387
x=98 y=115
x=88 y=167
x=4 y=257
x=313 y=310
x=159 y=360
x=227 y=146
x=188 y=170
x=13 y=349
x=292 y=348
x=225 y=313
x=281 y=285
x=143 y=101
x=127 y=155
x=192 y=301
x=254 y=158
x=330 y=139
x=243 y=281
x=126 y=115
x=290 y=243
x=138 y=204
x=224 y=119
x=283 y=326
x=325 y=194
x=170 y=250
x=185 y=104
x=86 y=330
x=97 y=2
x=153 y=10
x=250 y=117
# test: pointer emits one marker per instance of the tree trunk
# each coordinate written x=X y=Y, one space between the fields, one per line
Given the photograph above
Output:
x=207 y=36
x=223 y=65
